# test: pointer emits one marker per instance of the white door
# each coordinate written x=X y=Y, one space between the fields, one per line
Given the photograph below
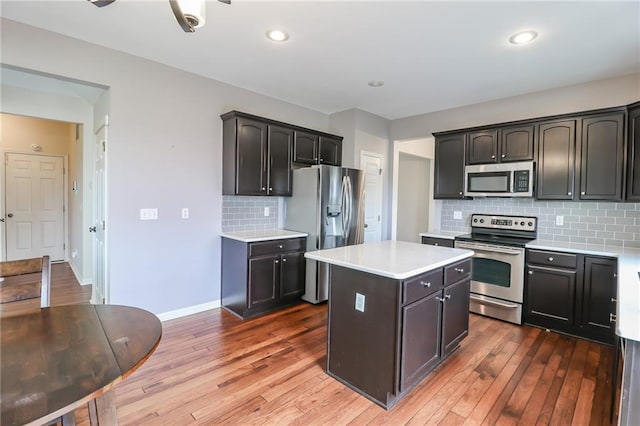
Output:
x=372 y=165
x=100 y=279
x=34 y=206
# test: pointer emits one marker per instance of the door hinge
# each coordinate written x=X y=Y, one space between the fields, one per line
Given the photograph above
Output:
x=64 y=246
x=380 y=172
x=103 y=225
x=378 y=218
x=104 y=146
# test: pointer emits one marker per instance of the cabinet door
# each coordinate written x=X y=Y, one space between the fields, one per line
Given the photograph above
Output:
x=279 y=169
x=251 y=173
x=551 y=295
x=556 y=157
x=292 y=275
x=433 y=241
x=598 y=298
x=633 y=165
x=455 y=315
x=420 y=339
x=449 y=167
x=305 y=148
x=602 y=157
x=516 y=143
x=483 y=147
x=330 y=151
x=263 y=276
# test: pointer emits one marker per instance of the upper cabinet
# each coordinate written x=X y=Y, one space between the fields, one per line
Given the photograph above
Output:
x=258 y=154
x=633 y=156
x=449 y=166
x=513 y=143
x=601 y=157
x=556 y=157
x=312 y=149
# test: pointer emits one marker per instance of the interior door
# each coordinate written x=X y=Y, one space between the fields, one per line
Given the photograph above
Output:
x=372 y=166
x=34 y=206
x=100 y=293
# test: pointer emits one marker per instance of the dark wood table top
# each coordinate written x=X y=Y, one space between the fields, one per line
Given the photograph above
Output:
x=58 y=358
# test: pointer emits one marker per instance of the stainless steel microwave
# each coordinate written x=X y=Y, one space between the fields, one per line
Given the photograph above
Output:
x=499 y=180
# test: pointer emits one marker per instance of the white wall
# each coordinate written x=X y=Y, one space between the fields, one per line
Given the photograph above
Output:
x=581 y=97
x=413 y=180
x=165 y=151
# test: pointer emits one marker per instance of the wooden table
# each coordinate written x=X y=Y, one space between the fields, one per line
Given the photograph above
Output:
x=56 y=359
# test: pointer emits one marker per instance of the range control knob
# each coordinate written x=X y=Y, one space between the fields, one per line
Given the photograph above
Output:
x=475 y=220
x=481 y=220
x=522 y=223
x=530 y=224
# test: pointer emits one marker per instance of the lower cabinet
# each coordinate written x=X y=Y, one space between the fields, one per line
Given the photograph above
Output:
x=435 y=241
x=259 y=277
x=571 y=293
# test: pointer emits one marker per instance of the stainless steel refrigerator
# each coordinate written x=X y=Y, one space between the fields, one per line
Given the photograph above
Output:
x=327 y=203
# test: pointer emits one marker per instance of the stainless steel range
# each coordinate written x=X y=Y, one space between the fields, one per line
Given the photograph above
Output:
x=497 y=275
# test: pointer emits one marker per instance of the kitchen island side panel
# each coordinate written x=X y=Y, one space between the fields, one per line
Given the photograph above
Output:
x=362 y=346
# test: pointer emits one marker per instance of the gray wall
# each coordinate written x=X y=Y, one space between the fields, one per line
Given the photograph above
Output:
x=165 y=152
x=413 y=198
x=616 y=224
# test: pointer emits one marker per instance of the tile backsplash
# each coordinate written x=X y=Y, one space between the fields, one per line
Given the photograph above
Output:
x=615 y=224
x=241 y=213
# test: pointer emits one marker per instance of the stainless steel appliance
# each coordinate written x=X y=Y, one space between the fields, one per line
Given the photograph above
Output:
x=327 y=203
x=497 y=274
x=499 y=180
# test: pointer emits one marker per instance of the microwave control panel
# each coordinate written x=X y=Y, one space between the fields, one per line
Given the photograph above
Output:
x=515 y=223
x=521 y=181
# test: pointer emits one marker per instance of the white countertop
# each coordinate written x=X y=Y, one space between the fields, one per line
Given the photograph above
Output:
x=263 y=235
x=628 y=312
x=391 y=259
x=449 y=235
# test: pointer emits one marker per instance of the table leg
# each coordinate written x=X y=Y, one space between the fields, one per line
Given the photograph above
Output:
x=102 y=410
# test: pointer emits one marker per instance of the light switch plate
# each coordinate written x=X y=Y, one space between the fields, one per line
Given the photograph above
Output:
x=148 y=214
x=359 y=302
x=185 y=212
x=266 y=211
x=559 y=220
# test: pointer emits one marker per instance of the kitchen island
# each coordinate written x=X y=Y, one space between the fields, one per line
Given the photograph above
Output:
x=396 y=311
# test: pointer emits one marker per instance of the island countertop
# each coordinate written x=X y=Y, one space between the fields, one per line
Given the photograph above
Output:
x=391 y=259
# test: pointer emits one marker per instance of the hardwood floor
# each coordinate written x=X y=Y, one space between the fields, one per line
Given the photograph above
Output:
x=213 y=368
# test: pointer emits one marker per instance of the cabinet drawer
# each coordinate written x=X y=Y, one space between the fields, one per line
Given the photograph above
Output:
x=422 y=285
x=276 y=246
x=434 y=241
x=457 y=271
x=553 y=258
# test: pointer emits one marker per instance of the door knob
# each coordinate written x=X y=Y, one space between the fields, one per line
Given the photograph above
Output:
x=92 y=229
x=366 y=226
x=1 y=219
x=10 y=215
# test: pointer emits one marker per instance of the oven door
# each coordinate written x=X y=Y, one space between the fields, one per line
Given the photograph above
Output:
x=497 y=271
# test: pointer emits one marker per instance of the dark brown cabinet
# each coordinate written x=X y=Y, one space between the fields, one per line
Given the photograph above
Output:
x=633 y=153
x=556 y=157
x=258 y=277
x=449 y=166
x=455 y=315
x=434 y=241
x=571 y=293
x=516 y=143
x=601 y=166
x=482 y=147
x=312 y=149
x=279 y=175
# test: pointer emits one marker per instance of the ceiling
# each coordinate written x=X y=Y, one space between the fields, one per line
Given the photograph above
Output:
x=430 y=55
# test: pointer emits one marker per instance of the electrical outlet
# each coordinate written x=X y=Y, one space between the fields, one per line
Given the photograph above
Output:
x=457 y=215
x=266 y=211
x=148 y=214
x=359 y=302
x=185 y=213
x=560 y=220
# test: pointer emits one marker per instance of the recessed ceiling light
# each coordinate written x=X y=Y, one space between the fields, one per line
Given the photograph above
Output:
x=277 y=35
x=523 y=37
x=376 y=83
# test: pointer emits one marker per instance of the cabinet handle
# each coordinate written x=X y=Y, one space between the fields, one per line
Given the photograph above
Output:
x=460 y=192
x=614 y=300
x=447 y=296
x=550 y=259
x=280 y=246
x=276 y=261
x=612 y=318
x=530 y=272
x=425 y=284
x=615 y=275
x=459 y=270
x=493 y=156
x=503 y=155
x=436 y=244
x=270 y=189
x=582 y=193
x=568 y=193
x=440 y=299
x=284 y=259
x=263 y=188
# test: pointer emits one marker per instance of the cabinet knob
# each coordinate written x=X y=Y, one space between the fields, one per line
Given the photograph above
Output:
x=614 y=300
x=550 y=259
x=436 y=244
x=270 y=189
x=530 y=272
x=582 y=193
x=503 y=155
x=263 y=188
x=424 y=284
x=275 y=261
x=615 y=275
x=447 y=296
x=280 y=246
x=284 y=259
x=493 y=156
x=459 y=270
x=460 y=192
x=568 y=193
x=612 y=318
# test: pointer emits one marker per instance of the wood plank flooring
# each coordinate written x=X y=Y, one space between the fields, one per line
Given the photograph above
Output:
x=212 y=368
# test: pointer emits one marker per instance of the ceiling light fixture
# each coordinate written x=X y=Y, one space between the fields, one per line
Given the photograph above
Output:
x=523 y=37
x=376 y=83
x=277 y=35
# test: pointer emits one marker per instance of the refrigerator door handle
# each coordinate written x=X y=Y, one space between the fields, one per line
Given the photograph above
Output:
x=343 y=202
x=349 y=209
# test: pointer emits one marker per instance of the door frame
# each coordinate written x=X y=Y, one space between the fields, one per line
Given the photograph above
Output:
x=381 y=158
x=104 y=124
x=65 y=200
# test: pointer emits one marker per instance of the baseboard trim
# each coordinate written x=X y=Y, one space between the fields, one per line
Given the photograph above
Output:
x=81 y=281
x=189 y=310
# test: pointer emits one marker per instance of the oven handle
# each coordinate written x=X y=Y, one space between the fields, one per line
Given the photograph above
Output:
x=489 y=249
x=493 y=302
